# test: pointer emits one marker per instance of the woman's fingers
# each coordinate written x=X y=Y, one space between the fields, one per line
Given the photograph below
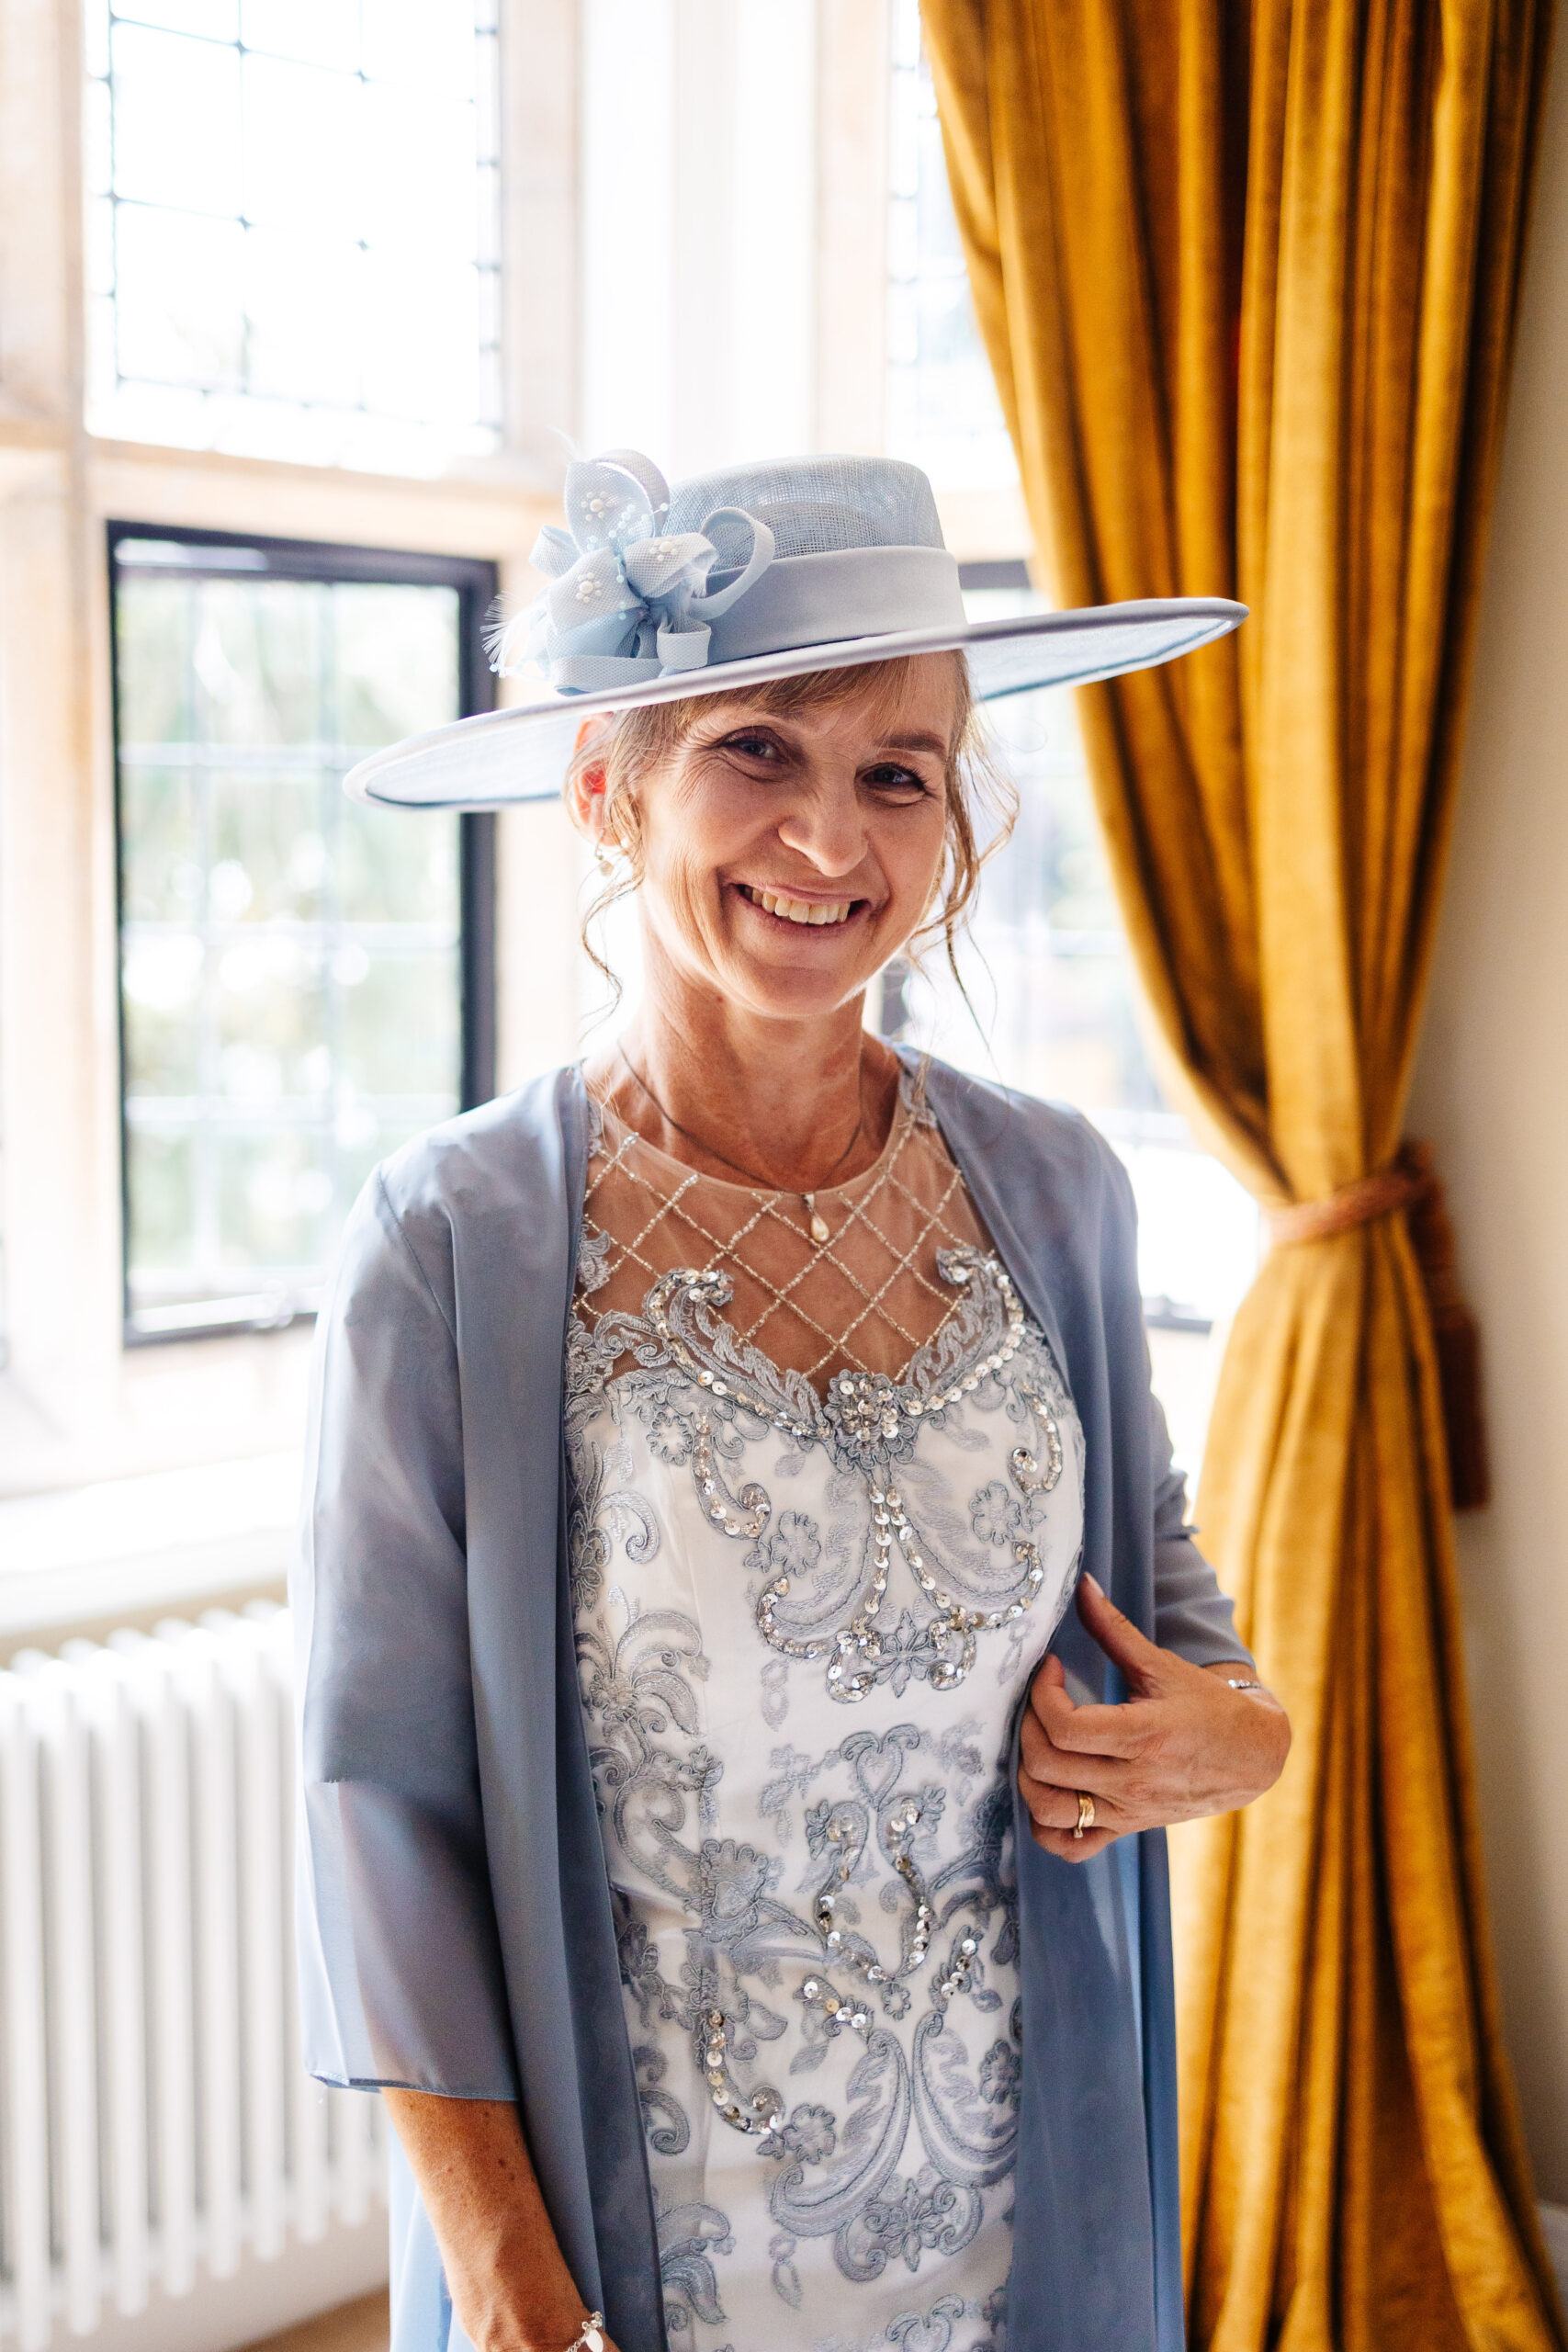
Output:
x=1056 y=1811
x=1044 y=1759
x=1068 y=1848
x=1089 y=1730
x=1053 y=1800
x=1145 y=1664
x=1051 y=1784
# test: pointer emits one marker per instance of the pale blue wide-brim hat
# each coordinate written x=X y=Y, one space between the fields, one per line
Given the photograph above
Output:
x=733 y=578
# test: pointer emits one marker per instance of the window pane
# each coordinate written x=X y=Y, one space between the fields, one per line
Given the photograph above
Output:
x=421 y=338
x=303 y=148
x=175 y=108
x=163 y=1199
x=163 y=879
x=399 y=1021
x=942 y=412
x=318 y=32
x=298 y=248
x=396 y=653
x=429 y=47
x=209 y=19
x=305 y=298
x=178 y=311
x=291 y=981
x=421 y=168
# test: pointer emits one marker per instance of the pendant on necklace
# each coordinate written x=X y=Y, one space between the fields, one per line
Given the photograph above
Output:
x=818 y=1222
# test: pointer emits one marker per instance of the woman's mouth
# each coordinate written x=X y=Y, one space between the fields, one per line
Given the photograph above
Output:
x=815 y=913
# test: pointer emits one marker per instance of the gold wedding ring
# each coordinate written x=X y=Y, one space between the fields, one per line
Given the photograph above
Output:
x=1086 y=1813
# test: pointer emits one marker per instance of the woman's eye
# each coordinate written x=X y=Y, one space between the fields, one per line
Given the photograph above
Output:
x=895 y=782
x=752 y=747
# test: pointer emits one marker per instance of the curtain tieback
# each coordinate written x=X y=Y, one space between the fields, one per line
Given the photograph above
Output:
x=1379 y=1195
x=1411 y=1181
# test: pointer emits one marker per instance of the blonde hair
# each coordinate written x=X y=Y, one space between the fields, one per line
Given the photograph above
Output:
x=638 y=740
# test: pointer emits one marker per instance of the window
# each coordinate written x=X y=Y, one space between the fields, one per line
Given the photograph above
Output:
x=698 y=184
x=295 y=222
x=304 y=982
x=943 y=411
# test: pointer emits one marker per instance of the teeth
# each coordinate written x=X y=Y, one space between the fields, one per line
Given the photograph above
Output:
x=800 y=910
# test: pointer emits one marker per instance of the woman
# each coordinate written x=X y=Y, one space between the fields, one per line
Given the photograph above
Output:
x=711 y=1440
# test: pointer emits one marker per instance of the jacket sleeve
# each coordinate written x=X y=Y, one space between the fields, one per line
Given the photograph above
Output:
x=399 y=1953
x=1193 y=1616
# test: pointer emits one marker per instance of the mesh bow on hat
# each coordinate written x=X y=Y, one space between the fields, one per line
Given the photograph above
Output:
x=630 y=598
x=736 y=577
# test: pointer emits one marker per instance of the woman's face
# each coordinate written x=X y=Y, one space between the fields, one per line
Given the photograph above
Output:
x=788 y=858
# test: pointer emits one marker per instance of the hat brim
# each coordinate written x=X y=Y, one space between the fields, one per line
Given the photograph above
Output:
x=521 y=753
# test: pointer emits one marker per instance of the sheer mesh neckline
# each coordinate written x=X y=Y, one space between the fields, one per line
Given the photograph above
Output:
x=868 y=1299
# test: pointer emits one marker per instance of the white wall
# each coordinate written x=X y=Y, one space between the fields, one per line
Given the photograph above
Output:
x=1491 y=1092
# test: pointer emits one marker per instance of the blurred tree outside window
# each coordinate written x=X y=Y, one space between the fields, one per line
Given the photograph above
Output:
x=292 y=968
x=294 y=223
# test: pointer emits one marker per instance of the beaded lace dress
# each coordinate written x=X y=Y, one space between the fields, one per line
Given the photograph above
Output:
x=826 y=1511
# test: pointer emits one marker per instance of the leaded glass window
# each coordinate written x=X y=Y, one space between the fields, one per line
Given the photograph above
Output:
x=295 y=226
x=294 y=982
x=942 y=412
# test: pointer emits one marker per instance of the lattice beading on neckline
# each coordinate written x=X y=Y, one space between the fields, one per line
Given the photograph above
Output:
x=815 y=1309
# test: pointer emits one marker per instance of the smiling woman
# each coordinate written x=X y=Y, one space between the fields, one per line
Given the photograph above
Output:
x=714 y=1439
x=909 y=731
x=785 y=843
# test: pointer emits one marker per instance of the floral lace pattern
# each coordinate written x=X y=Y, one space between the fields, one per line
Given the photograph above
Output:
x=802 y=1627
x=707 y=1400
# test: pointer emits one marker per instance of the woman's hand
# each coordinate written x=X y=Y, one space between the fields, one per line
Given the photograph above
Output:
x=1183 y=1745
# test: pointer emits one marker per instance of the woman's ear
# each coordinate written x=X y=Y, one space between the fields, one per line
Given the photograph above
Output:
x=588 y=781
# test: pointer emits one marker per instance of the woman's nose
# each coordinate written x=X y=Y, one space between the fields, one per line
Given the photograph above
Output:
x=828 y=828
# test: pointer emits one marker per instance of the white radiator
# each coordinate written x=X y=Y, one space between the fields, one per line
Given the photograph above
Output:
x=156 y=2117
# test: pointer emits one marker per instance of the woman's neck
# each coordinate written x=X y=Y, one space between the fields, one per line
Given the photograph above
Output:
x=797 y=1105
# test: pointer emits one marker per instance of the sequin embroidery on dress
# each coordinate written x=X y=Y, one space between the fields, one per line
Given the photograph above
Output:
x=804 y=1622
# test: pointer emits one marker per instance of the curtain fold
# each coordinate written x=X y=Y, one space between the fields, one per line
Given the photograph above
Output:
x=1248 y=278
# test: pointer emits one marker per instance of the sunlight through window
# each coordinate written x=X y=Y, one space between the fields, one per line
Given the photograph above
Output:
x=291 y=970
x=295 y=227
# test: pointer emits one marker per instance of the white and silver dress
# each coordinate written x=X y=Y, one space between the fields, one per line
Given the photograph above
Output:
x=803 y=1625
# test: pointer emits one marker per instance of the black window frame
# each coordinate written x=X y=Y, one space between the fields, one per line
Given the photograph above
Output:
x=476 y=581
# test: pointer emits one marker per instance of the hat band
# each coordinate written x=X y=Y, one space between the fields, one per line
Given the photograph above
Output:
x=803 y=600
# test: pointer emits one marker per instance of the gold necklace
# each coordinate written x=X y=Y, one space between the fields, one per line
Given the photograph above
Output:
x=817 y=1223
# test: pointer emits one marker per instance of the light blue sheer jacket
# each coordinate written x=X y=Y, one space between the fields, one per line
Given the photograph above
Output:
x=455 y=1924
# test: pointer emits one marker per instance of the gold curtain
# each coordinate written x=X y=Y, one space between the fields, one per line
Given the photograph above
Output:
x=1247 y=277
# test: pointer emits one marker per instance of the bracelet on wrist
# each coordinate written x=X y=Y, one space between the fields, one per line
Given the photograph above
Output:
x=588 y=2336
x=1236 y=1682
